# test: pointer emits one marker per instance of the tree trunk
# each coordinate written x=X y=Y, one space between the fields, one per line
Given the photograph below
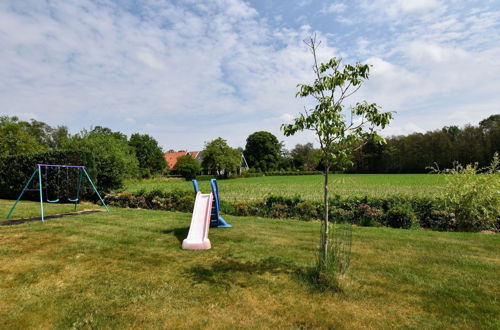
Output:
x=325 y=225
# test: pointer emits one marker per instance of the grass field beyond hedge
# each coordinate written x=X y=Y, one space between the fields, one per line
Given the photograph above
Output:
x=125 y=269
x=309 y=187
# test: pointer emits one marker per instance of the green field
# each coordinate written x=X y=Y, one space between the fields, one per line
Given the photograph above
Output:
x=308 y=186
x=124 y=269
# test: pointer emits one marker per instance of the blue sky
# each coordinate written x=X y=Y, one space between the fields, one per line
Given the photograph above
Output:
x=187 y=72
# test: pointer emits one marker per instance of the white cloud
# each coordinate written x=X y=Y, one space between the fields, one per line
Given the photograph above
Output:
x=334 y=8
x=86 y=63
x=395 y=8
x=410 y=6
x=192 y=71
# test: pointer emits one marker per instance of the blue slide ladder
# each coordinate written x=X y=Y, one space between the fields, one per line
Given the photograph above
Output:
x=215 y=220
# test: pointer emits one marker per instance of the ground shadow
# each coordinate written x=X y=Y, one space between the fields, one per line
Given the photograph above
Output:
x=223 y=273
x=52 y=216
x=180 y=233
x=318 y=283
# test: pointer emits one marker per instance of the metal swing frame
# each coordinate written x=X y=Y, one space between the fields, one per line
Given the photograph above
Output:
x=38 y=170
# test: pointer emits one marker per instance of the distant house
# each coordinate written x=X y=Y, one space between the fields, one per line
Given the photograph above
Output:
x=171 y=157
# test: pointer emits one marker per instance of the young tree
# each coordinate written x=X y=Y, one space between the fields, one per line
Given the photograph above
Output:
x=220 y=157
x=149 y=154
x=338 y=129
x=188 y=167
x=262 y=151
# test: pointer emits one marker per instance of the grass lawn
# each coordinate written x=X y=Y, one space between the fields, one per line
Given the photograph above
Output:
x=125 y=269
x=308 y=186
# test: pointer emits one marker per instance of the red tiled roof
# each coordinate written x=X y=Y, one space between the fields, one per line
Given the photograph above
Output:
x=171 y=157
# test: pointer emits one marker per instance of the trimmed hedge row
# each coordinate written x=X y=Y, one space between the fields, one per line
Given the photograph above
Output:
x=395 y=212
x=16 y=170
x=178 y=200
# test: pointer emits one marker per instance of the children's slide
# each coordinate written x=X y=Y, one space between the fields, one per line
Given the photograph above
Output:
x=197 y=238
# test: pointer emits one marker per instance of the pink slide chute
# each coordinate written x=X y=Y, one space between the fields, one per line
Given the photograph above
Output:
x=197 y=238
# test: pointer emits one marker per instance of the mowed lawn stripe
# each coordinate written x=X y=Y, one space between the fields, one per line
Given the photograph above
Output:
x=125 y=269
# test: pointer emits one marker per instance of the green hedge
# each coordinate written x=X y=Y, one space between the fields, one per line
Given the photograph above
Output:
x=16 y=170
x=177 y=200
x=396 y=212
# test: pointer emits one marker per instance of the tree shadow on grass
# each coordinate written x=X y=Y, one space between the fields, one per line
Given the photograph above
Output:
x=222 y=272
x=317 y=282
x=226 y=273
x=180 y=233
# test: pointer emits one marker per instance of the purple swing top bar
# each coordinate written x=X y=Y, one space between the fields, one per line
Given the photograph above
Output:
x=50 y=165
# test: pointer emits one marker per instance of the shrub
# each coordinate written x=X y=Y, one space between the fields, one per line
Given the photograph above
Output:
x=306 y=210
x=442 y=221
x=339 y=215
x=185 y=204
x=279 y=211
x=188 y=167
x=397 y=212
x=141 y=202
x=125 y=199
x=401 y=216
x=240 y=208
x=368 y=216
x=156 y=199
x=288 y=201
x=473 y=196
x=160 y=203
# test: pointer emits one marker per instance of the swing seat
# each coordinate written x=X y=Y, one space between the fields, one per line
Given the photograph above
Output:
x=73 y=200
x=53 y=200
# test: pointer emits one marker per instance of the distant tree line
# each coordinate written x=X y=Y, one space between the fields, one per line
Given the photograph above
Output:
x=412 y=153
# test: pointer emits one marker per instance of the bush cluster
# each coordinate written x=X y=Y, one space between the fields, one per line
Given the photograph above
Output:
x=395 y=212
x=178 y=200
x=472 y=195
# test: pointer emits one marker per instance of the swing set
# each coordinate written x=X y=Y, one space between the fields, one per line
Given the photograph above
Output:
x=47 y=168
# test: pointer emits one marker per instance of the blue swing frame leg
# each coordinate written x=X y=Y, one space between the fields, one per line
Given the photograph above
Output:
x=22 y=192
x=41 y=194
x=95 y=189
